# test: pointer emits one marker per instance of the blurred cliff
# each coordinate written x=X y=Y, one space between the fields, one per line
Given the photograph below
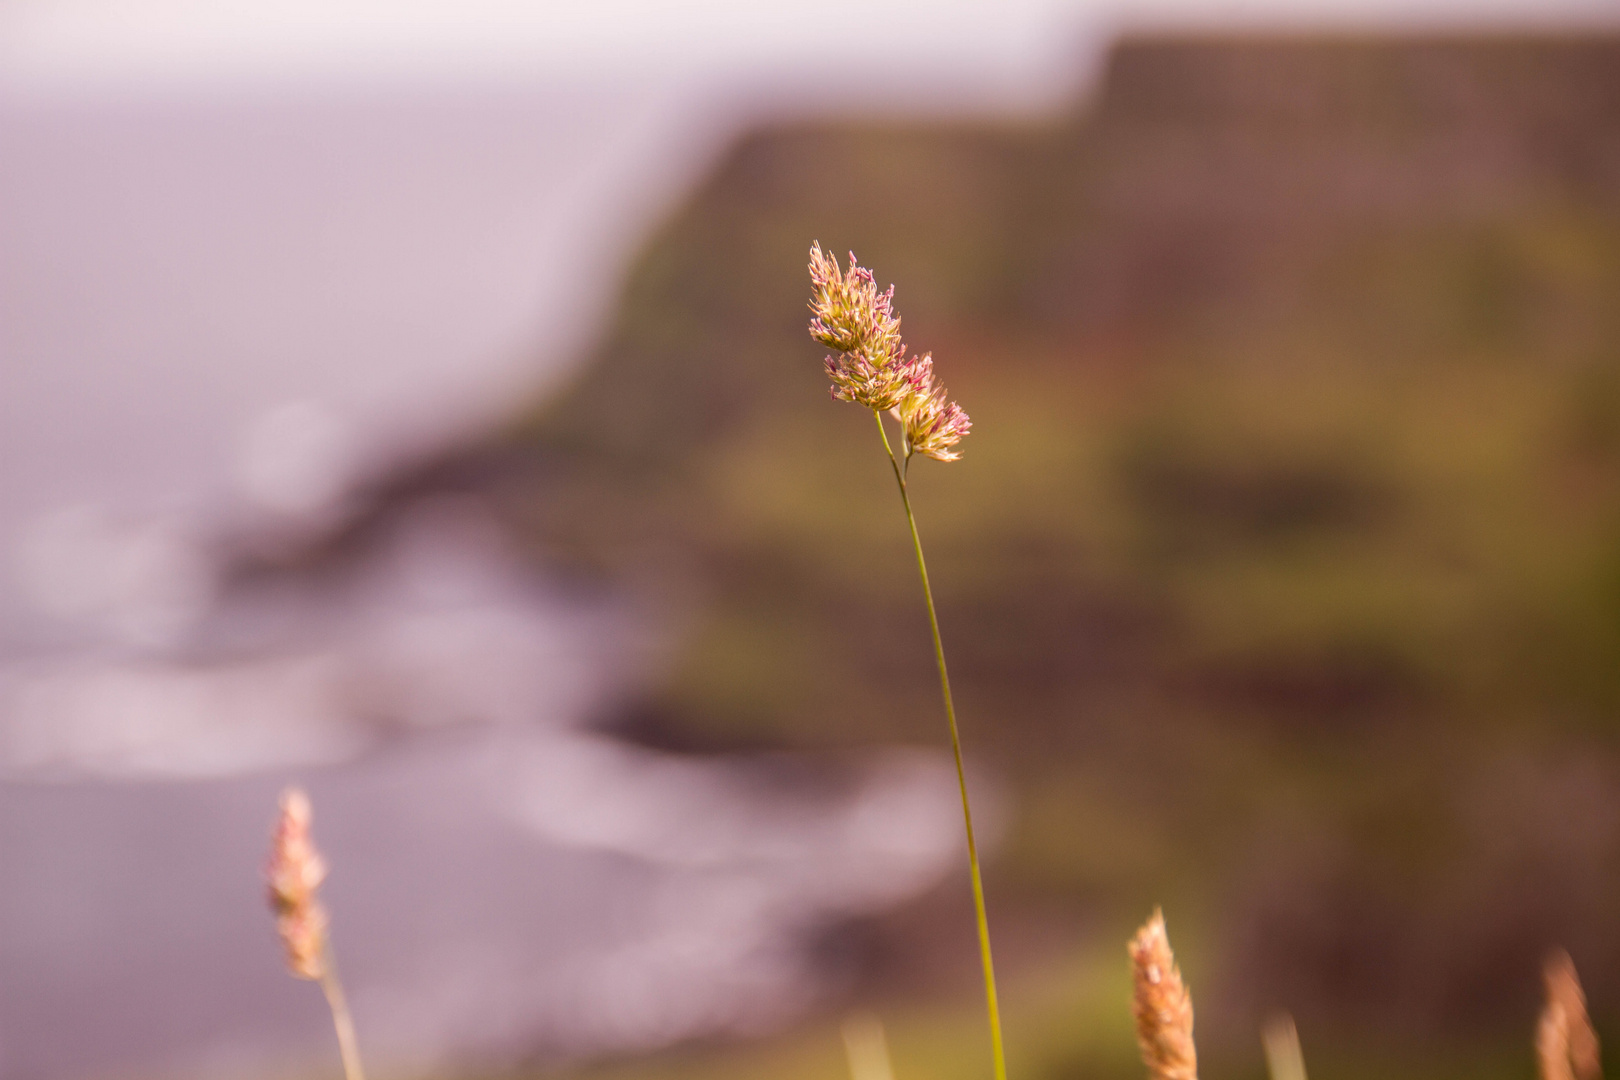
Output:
x=1282 y=573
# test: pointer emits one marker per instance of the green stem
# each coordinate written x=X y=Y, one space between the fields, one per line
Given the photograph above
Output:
x=991 y=1005
x=348 y=1045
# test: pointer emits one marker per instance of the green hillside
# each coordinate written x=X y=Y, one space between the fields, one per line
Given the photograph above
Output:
x=1281 y=576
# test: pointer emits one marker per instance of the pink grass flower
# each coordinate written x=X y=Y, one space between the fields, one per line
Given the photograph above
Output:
x=1161 y=1005
x=933 y=425
x=295 y=874
x=870 y=364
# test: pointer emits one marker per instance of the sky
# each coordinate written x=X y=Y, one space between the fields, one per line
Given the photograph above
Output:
x=76 y=45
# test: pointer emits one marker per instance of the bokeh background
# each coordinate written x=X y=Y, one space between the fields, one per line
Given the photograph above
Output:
x=414 y=402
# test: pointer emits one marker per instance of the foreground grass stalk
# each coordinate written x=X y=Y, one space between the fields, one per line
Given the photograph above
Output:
x=348 y=1045
x=872 y=367
x=1566 y=1046
x=867 y=1048
x=1280 y=1038
x=1161 y=1005
x=295 y=874
x=992 y=1005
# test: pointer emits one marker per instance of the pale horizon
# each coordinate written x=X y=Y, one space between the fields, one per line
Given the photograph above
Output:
x=77 y=47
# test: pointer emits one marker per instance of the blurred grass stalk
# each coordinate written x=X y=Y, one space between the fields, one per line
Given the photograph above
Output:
x=872 y=367
x=1566 y=1046
x=348 y=1044
x=867 y=1048
x=295 y=874
x=1283 y=1056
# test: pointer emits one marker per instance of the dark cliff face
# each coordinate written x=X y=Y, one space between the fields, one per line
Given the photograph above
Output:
x=1212 y=172
x=1280 y=573
x=1208 y=179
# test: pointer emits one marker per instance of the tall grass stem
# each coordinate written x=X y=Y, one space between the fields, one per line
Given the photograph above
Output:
x=348 y=1045
x=867 y=1048
x=991 y=1005
x=1281 y=1041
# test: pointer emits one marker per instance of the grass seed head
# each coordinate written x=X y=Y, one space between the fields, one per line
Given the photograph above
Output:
x=295 y=874
x=870 y=364
x=933 y=424
x=850 y=315
x=1163 y=1008
x=1566 y=1045
x=1552 y=1043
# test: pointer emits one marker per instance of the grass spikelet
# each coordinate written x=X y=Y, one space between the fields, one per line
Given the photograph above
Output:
x=295 y=874
x=1162 y=1006
x=1566 y=1045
